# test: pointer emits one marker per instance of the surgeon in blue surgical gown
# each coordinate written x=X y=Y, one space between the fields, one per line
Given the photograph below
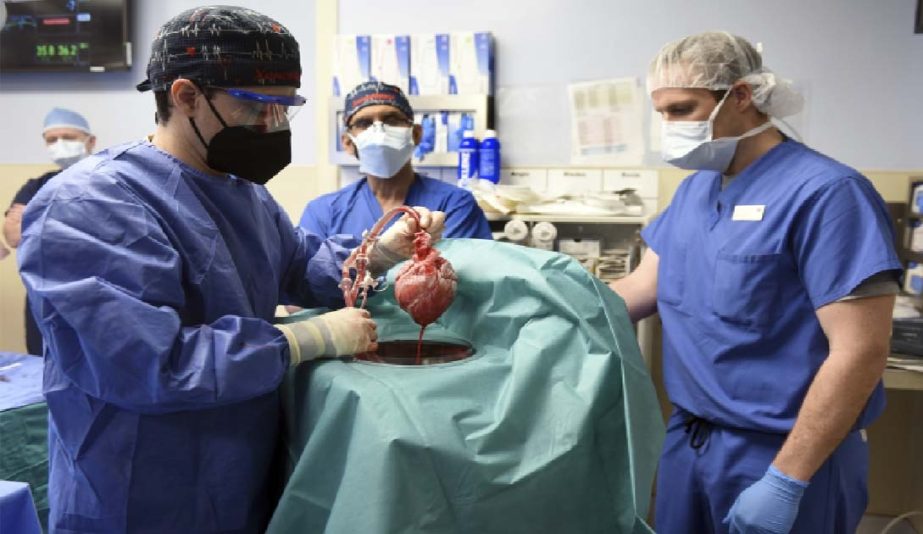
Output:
x=154 y=269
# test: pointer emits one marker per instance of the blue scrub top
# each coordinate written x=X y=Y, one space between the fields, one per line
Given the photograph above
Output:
x=737 y=298
x=154 y=286
x=354 y=209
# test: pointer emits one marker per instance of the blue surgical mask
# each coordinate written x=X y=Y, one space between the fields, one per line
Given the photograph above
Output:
x=690 y=144
x=383 y=150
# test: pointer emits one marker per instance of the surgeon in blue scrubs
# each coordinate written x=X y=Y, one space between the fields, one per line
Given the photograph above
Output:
x=381 y=133
x=774 y=275
x=68 y=139
x=154 y=269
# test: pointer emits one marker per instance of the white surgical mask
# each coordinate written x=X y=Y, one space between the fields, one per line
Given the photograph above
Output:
x=689 y=144
x=66 y=152
x=383 y=150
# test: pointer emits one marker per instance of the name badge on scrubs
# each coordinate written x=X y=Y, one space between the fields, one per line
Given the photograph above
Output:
x=753 y=212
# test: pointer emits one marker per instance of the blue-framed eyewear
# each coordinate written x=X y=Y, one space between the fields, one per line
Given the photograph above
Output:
x=294 y=100
x=262 y=111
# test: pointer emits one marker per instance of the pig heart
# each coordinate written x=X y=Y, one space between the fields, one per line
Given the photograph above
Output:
x=425 y=287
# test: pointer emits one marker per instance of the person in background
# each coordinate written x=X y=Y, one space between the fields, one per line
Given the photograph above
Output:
x=154 y=269
x=68 y=139
x=774 y=273
x=380 y=132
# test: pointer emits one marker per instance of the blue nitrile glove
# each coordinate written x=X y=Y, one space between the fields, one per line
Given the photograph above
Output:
x=769 y=506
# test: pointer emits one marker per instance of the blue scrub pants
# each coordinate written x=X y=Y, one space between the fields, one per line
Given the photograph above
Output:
x=696 y=487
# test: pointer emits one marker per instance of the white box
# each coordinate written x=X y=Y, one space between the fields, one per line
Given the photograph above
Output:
x=537 y=179
x=391 y=60
x=471 y=63
x=916 y=236
x=574 y=182
x=646 y=184
x=351 y=62
x=442 y=132
x=429 y=64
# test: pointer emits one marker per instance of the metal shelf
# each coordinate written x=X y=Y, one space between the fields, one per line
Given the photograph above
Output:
x=901 y=379
x=580 y=219
x=912 y=256
x=587 y=219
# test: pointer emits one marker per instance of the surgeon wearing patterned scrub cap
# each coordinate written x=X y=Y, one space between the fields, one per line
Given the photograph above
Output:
x=154 y=269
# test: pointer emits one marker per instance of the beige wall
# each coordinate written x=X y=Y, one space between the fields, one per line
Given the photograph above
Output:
x=296 y=185
x=12 y=294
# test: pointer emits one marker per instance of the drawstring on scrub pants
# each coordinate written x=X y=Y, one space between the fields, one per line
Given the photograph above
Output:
x=698 y=429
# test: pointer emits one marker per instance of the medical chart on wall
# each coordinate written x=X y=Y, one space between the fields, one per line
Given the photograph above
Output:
x=607 y=126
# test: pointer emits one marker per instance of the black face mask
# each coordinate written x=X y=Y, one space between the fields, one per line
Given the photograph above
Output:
x=246 y=153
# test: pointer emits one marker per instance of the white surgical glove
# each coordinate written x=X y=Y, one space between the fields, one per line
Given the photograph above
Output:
x=396 y=243
x=339 y=333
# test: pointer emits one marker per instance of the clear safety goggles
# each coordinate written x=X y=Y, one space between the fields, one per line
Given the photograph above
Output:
x=258 y=111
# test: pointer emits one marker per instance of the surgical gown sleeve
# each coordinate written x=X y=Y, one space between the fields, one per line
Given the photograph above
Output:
x=105 y=283
x=464 y=218
x=844 y=235
x=316 y=217
x=315 y=268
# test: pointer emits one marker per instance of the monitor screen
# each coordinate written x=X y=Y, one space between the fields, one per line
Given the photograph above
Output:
x=65 y=35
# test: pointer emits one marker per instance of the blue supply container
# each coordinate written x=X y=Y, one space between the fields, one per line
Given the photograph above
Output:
x=489 y=157
x=467 y=159
x=916 y=204
x=913 y=278
x=457 y=124
x=428 y=139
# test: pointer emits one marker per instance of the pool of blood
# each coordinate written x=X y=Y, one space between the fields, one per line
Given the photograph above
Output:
x=405 y=352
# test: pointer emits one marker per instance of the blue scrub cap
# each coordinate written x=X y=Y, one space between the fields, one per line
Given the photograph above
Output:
x=65 y=118
x=376 y=94
x=223 y=46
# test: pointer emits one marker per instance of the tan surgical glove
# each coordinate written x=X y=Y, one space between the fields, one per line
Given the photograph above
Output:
x=396 y=243
x=339 y=333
